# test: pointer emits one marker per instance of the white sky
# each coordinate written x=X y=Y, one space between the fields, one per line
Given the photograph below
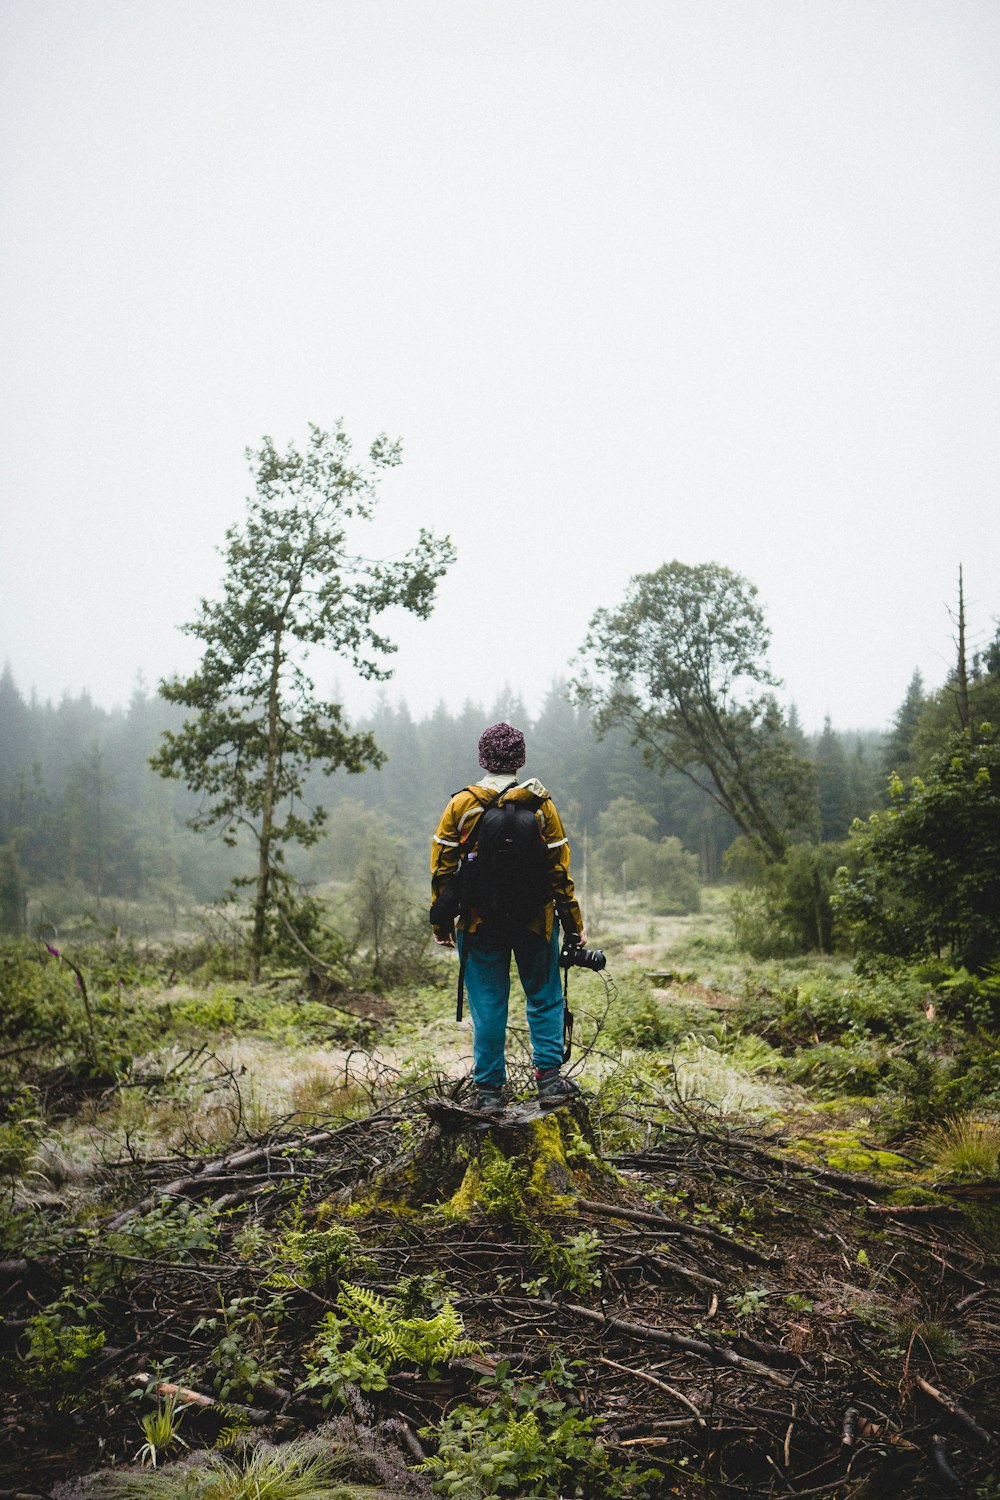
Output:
x=632 y=279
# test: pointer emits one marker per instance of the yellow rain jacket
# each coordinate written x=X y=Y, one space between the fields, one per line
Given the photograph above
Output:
x=460 y=817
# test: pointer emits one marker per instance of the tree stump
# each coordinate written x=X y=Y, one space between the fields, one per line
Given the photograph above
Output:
x=529 y=1160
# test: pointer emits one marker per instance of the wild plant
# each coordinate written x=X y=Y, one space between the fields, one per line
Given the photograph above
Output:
x=574 y=1264
x=160 y=1428
x=384 y=1337
x=527 y=1440
x=303 y=1469
x=62 y=1345
x=965 y=1143
x=238 y=1355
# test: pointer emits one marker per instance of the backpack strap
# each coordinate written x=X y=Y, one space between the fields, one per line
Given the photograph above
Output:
x=467 y=846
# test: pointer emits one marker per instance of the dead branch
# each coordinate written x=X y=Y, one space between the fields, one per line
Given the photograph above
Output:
x=716 y=1354
x=661 y=1385
x=953 y=1409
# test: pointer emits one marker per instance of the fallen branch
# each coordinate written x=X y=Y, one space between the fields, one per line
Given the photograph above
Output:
x=661 y=1385
x=953 y=1409
x=698 y=1231
x=712 y=1352
x=257 y=1416
x=225 y=1165
x=939 y=1452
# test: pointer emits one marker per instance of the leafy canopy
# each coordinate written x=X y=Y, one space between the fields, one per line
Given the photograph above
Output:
x=924 y=875
x=293 y=582
x=682 y=666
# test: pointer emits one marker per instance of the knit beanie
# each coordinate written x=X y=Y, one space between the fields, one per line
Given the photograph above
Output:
x=501 y=748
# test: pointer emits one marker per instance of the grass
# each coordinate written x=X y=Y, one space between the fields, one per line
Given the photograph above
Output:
x=964 y=1145
x=305 y=1469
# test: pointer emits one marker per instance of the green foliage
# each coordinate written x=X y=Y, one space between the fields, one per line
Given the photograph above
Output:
x=176 y=1230
x=13 y=892
x=630 y=853
x=923 y=877
x=304 y=1469
x=783 y=907
x=748 y=1304
x=318 y=1258
x=161 y=1430
x=680 y=666
x=918 y=1038
x=857 y=1065
x=529 y=1442
x=293 y=582
x=62 y=1346
x=965 y=1144
x=283 y=1015
x=638 y=1019
x=20 y=1128
x=502 y=1184
x=573 y=1264
x=95 y=1031
x=390 y=925
x=238 y=1357
x=384 y=1337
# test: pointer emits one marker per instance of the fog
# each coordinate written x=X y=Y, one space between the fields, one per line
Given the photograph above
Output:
x=704 y=280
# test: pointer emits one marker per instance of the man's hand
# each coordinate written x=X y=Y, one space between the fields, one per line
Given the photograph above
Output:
x=445 y=939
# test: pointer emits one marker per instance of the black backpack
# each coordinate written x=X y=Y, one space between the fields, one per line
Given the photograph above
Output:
x=505 y=876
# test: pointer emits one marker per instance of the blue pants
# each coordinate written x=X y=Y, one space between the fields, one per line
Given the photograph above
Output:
x=487 y=986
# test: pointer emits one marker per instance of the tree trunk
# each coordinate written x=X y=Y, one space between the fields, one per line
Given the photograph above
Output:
x=266 y=817
x=963 y=675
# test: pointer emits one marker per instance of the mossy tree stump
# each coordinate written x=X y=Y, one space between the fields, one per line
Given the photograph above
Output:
x=528 y=1161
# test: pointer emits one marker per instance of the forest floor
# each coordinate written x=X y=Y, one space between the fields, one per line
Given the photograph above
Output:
x=278 y=1234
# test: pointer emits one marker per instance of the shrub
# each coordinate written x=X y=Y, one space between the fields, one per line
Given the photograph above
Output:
x=784 y=908
x=528 y=1441
x=923 y=877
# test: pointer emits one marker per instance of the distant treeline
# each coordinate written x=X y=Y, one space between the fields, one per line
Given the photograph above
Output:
x=80 y=807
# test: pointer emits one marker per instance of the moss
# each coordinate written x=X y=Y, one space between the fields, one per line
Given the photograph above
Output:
x=371 y=1203
x=521 y=1172
x=844 y=1152
x=913 y=1197
x=550 y=1174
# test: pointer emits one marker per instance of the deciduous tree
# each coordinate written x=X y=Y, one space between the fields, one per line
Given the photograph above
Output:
x=292 y=582
x=682 y=666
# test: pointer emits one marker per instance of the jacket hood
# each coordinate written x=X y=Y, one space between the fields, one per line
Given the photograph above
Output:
x=526 y=791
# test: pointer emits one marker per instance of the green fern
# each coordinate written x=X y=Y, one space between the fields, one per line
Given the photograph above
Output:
x=383 y=1339
x=427 y=1342
x=318 y=1258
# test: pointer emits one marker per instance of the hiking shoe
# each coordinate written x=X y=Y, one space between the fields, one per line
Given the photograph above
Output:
x=553 y=1088
x=488 y=1100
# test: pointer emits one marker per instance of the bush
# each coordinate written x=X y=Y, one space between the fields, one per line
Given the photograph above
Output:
x=784 y=909
x=527 y=1441
x=923 y=877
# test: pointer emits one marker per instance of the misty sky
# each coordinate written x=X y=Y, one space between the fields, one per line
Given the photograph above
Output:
x=632 y=279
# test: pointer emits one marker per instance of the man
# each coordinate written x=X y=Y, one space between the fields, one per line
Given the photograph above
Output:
x=485 y=946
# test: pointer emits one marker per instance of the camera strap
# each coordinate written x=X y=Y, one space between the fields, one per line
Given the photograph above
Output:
x=567 y=1019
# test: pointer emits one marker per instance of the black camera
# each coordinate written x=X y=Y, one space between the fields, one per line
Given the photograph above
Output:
x=575 y=957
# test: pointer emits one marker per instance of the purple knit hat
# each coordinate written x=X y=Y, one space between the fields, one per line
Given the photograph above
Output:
x=501 y=748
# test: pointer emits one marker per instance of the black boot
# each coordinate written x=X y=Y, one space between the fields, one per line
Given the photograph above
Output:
x=553 y=1088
